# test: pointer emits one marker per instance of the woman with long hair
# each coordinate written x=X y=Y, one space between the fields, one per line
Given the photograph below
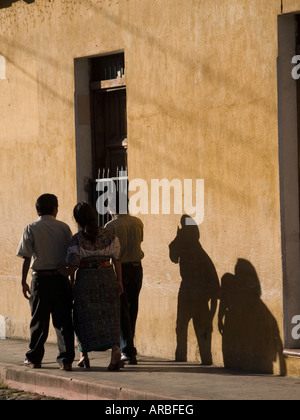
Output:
x=97 y=287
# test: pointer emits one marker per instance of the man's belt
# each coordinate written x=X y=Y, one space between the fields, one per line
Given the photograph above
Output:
x=133 y=264
x=46 y=273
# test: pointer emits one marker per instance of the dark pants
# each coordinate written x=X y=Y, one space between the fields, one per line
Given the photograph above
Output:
x=132 y=275
x=51 y=295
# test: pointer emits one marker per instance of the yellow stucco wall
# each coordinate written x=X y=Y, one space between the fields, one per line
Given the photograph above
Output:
x=289 y=6
x=202 y=104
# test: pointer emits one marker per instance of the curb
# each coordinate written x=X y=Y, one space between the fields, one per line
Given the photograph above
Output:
x=68 y=388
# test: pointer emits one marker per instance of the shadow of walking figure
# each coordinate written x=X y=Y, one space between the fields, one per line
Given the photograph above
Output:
x=199 y=291
x=9 y=3
x=251 y=338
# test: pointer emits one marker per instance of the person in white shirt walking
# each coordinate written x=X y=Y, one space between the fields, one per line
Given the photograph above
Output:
x=44 y=247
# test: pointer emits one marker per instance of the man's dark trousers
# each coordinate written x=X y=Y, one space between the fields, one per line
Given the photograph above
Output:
x=51 y=294
x=132 y=277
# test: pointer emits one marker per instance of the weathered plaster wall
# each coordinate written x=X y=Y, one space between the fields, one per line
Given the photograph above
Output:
x=202 y=103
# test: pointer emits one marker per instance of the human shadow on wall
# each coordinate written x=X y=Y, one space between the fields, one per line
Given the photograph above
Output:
x=198 y=293
x=251 y=338
x=8 y=3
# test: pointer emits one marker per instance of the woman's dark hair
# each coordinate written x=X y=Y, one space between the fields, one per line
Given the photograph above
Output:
x=86 y=216
x=46 y=205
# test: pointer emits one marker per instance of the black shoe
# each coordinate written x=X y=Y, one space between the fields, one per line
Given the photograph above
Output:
x=28 y=363
x=116 y=362
x=67 y=367
x=132 y=360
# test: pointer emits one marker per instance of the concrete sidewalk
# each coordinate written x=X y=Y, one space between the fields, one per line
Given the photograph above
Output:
x=151 y=379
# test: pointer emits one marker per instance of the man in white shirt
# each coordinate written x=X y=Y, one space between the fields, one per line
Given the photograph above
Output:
x=43 y=247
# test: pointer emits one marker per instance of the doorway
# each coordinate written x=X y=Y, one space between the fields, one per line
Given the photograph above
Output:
x=101 y=123
x=289 y=146
x=109 y=123
x=109 y=115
